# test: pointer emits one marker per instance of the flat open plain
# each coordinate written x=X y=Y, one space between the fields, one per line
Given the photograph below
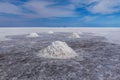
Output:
x=98 y=55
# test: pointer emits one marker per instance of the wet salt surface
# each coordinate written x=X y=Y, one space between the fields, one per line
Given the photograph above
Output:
x=18 y=60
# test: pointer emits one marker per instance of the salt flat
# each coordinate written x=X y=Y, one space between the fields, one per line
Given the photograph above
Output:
x=95 y=55
x=112 y=34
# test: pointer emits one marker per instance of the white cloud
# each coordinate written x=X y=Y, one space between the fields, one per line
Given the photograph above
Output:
x=82 y=3
x=105 y=7
x=9 y=8
x=99 y=6
x=89 y=18
x=44 y=9
x=40 y=9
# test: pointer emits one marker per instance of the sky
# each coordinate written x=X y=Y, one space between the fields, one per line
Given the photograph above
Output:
x=59 y=13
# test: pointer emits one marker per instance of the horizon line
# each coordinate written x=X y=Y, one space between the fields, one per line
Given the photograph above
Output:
x=64 y=27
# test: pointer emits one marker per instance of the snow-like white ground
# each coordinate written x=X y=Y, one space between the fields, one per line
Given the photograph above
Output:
x=95 y=59
x=112 y=34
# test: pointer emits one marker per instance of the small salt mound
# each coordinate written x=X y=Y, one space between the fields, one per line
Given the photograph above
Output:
x=57 y=49
x=33 y=35
x=74 y=35
x=50 y=32
x=80 y=32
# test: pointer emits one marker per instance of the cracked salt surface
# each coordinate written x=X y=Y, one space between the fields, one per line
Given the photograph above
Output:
x=18 y=59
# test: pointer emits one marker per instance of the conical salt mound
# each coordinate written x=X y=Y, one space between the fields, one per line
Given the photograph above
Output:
x=58 y=50
x=50 y=32
x=74 y=35
x=33 y=35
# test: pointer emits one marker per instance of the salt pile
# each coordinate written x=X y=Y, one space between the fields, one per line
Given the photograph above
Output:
x=33 y=35
x=74 y=35
x=80 y=32
x=50 y=32
x=57 y=49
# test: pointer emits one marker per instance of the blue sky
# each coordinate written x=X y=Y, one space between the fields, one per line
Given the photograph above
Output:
x=59 y=13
